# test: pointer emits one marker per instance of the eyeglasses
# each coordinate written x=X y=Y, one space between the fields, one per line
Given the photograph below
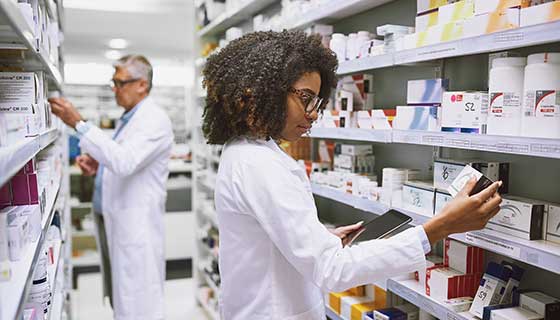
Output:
x=116 y=83
x=310 y=101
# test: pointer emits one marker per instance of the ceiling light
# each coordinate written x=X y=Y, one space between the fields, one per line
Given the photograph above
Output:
x=118 y=43
x=113 y=54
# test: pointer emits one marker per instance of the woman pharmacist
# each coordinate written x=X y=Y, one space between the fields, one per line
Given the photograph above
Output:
x=276 y=258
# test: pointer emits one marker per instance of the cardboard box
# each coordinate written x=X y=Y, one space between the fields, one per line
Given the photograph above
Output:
x=389 y=314
x=465 y=112
x=513 y=282
x=410 y=310
x=553 y=223
x=364 y=119
x=458 y=305
x=335 y=300
x=543 y=13
x=427 y=5
x=426 y=92
x=491 y=288
x=487 y=6
x=428 y=19
x=453 y=31
x=353 y=149
x=20 y=93
x=361 y=309
x=446 y=283
x=539 y=303
x=348 y=302
x=442 y=199
x=424 y=118
x=382 y=119
x=457 y=11
x=515 y=313
x=447 y=170
x=520 y=217
x=463 y=258
x=492 y=22
x=418 y=197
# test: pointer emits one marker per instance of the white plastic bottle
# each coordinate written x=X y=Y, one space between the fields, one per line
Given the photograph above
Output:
x=338 y=45
x=351 y=46
x=506 y=96
x=541 y=103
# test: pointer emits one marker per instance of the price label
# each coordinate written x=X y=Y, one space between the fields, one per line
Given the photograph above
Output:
x=498 y=246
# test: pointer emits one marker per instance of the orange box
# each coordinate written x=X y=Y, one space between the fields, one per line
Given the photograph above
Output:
x=359 y=309
x=359 y=291
x=334 y=300
x=380 y=297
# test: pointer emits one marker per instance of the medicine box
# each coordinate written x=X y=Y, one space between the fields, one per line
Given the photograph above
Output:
x=539 y=303
x=492 y=22
x=458 y=305
x=519 y=217
x=389 y=314
x=442 y=198
x=335 y=300
x=18 y=234
x=348 y=302
x=542 y=13
x=462 y=179
x=513 y=282
x=491 y=288
x=428 y=19
x=457 y=11
x=410 y=310
x=364 y=120
x=359 y=310
x=465 y=112
x=353 y=149
x=463 y=258
x=427 y=5
x=424 y=118
x=515 y=313
x=418 y=197
x=487 y=6
x=447 y=283
x=426 y=91
x=447 y=170
x=553 y=223
x=382 y=119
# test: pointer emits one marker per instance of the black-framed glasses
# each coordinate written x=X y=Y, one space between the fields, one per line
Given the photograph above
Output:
x=116 y=83
x=310 y=101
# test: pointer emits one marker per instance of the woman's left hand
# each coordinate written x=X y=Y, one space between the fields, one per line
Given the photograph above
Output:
x=342 y=232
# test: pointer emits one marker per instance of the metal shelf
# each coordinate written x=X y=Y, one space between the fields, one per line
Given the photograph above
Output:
x=14 y=292
x=14 y=157
x=384 y=136
x=230 y=19
x=412 y=291
x=538 y=147
x=334 y=10
x=22 y=37
x=498 y=41
x=540 y=253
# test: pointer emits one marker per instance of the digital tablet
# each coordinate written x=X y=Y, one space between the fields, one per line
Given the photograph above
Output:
x=378 y=227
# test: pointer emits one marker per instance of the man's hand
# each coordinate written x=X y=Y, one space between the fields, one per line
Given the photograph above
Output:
x=465 y=213
x=66 y=111
x=342 y=232
x=87 y=164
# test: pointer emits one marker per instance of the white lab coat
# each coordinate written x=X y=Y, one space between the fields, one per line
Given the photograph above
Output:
x=276 y=258
x=133 y=202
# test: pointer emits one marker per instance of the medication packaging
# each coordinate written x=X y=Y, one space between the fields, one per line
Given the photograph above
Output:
x=442 y=198
x=491 y=288
x=426 y=92
x=463 y=177
x=515 y=313
x=457 y=11
x=463 y=258
x=492 y=22
x=513 y=282
x=447 y=170
x=553 y=223
x=506 y=96
x=458 y=305
x=428 y=19
x=465 y=112
x=418 y=197
x=427 y=5
x=542 y=13
x=487 y=6
x=417 y=118
x=539 y=303
x=541 y=105
x=520 y=217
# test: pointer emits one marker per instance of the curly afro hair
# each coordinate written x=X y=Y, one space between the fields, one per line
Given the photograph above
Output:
x=248 y=81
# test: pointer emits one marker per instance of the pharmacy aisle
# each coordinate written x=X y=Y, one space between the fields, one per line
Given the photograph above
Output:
x=428 y=92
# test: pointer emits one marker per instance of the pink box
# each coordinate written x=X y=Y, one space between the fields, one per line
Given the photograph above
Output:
x=5 y=195
x=25 y=190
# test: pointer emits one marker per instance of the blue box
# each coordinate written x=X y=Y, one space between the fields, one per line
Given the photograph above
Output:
x=426 y=91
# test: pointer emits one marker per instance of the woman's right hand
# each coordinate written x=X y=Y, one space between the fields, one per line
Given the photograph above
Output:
x=465 y=213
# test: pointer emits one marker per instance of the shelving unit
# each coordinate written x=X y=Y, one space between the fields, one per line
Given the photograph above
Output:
x=332 y=315
x=28 y=55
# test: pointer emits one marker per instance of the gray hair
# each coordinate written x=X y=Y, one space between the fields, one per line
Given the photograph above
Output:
x=138 y=66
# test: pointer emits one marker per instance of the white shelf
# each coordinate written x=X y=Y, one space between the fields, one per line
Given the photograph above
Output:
x=211 y=312
x=412 y=291
x=36 y=59
x=334 y=10
x=14 y=157
x=89 y=260
x=384 y=136
x=332 y=315
x=536 y=147
x=498 y=41
x=540 y=253
x=180 y=166
x=230 y=19
x=539 y=147
x=14 y=291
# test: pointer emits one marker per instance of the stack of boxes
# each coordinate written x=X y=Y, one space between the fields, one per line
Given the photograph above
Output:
x=355 y=303
x=424 y=98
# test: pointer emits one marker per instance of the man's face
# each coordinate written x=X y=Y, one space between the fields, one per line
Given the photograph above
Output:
x=128 y=90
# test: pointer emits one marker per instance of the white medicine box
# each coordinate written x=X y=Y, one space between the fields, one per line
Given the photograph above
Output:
x=520 y=217
x=419 y=197
x=442 y=199
x=465 y=112
x=553 y=224
x=447 y=170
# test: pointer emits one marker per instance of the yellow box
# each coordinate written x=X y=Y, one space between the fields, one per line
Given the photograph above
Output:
x=452 y=31
x=359 y=309
x=427 y=5
x=488 y=6
x=492 y=22
x=348 y=303
x=457 y=11
x=426 y=20
x=334 y=300
x=380 y=297
x=357 y=291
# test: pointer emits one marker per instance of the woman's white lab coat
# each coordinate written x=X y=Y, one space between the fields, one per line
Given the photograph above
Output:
x=134 y=193
x=276 y=258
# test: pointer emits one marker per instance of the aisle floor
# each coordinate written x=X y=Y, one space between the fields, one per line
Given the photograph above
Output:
x=180 y=300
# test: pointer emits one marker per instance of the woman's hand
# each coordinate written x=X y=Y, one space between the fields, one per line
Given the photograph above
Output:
x=465 y=213
x=342 y=232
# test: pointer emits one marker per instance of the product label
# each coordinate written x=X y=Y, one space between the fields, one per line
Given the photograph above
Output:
x=542 y=104
x=504 y=104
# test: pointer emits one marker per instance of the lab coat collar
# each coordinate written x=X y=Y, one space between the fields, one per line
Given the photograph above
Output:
x=291 y=162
